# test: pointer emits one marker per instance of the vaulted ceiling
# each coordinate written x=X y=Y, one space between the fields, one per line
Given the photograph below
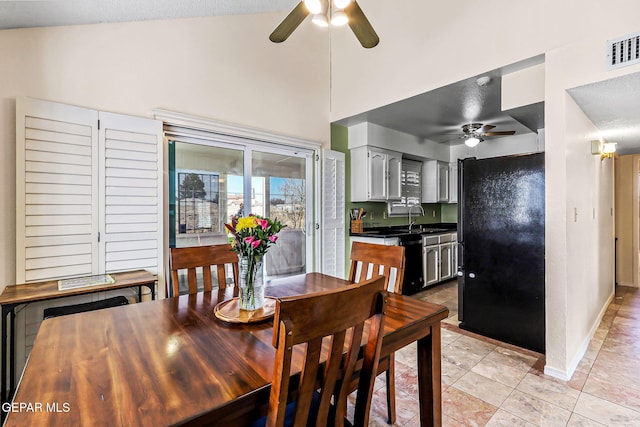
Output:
x=25 y=14
x=612 y=105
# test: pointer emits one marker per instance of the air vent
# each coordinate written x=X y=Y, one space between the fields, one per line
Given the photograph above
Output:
x=623 y=51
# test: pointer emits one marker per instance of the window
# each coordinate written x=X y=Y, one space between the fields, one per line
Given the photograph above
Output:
x=197 y=203
x=411 y=188
x=213 y=181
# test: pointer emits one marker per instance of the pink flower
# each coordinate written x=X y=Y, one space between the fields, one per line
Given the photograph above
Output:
x=255 y=243
x=273 y=238
x=263 y=223
x=249 y=239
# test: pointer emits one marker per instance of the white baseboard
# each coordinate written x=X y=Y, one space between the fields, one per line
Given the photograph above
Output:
x=565 y=375
x=556 y=373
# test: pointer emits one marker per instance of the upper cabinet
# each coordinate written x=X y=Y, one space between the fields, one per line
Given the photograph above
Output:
x=376 y=174
x=440 y=182
x=453 y=182
x=436 y=182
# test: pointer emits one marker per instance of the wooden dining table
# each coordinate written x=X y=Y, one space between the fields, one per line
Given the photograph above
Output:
x=172 y=362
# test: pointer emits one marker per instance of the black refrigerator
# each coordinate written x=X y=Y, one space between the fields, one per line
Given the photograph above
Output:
x=501 y=248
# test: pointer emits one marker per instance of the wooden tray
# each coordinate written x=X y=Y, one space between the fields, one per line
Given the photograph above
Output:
x=229 y=311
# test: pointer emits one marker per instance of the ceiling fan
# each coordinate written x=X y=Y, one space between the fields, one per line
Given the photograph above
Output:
x=325 y=12
x=474 y=133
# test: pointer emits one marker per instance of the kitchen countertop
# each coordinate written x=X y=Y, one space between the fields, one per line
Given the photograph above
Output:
x=403 y=230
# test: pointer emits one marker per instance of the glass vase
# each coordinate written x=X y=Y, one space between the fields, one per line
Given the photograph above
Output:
x=251 y=286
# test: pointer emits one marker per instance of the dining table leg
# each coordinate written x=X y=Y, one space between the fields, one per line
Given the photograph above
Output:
x=429 y=378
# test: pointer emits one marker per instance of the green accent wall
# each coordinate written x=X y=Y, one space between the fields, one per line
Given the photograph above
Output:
x=449 y=212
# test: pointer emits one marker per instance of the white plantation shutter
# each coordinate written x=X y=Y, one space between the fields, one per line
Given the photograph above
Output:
x=333 y=213
x=56 y=190
x=132 y=193
x=88 y=200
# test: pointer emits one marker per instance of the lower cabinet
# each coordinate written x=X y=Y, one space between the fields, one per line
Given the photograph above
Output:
x=446 y=261
x=431 y=264
x=439 y=260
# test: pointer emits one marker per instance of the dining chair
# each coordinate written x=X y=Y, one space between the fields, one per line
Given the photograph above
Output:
x=368 y=259
x=202 y=257
x=333 y=321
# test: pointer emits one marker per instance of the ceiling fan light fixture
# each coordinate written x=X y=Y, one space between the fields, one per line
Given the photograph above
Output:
x=472 y=141
x=320 y=20
x=314 y=6
x=339 y=18
x=341 y=4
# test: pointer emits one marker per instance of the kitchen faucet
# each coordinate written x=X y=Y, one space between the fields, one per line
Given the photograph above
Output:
x=410 y=209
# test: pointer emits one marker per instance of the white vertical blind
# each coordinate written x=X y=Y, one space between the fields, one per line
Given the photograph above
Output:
x=130 y=193
x=56 y=190
x=333 y=213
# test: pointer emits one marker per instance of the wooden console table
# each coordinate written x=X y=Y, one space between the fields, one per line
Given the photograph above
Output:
x=15 y=295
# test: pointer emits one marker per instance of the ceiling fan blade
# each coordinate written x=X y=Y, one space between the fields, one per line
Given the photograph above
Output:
x=361 y=26
x=486 y=128
x=290 y=23
x=509 y=132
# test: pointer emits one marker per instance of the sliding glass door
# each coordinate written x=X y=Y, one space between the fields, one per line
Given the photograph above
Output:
x=211 y=182
x=279 y=190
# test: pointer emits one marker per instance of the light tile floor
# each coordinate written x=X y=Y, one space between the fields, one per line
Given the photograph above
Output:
x=489 y=383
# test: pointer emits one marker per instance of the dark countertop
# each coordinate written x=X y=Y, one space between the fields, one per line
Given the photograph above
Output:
x=403 y=230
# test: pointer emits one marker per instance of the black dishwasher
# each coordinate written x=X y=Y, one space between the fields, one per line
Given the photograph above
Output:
x=413 y=281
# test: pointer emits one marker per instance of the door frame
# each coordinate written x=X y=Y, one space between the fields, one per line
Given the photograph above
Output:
x=178 y=125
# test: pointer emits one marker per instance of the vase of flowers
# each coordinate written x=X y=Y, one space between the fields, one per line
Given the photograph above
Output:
x=252 y=236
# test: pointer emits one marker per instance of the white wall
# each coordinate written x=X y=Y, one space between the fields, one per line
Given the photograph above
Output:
x=589 y=234
x=579 y=252
x=523 y=87
x=223 y=68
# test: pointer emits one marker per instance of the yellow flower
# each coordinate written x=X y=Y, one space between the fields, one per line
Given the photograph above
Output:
x=246 y=222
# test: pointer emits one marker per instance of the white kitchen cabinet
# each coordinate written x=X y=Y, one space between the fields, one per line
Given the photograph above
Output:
x=439 y=261
x=431 y=264
x=453 y=182
x=376 y=174
x=454 y=254
x=446 y=261
x=435 y=185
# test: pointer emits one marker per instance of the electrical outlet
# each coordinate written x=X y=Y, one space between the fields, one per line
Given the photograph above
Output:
x=384 y=214
x=371 y=215
x=433 y=213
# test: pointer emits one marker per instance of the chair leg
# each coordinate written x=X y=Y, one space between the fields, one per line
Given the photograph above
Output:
x=391 y=390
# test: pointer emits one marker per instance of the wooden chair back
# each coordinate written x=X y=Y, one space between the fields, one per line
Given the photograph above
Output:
x=340 y=315
x=380 y=259
x=204 y=257
x=369 y=258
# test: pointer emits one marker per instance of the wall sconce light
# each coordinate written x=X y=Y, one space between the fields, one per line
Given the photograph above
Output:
x=603 y=149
